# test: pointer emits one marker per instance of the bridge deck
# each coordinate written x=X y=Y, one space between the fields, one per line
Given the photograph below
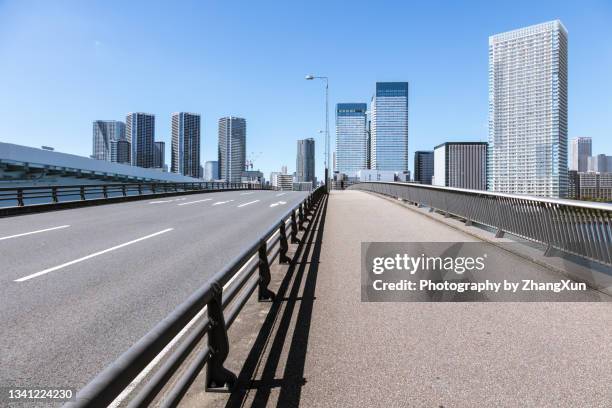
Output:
x=322 y=347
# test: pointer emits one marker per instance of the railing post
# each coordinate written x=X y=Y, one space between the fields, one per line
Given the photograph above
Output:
x=294 y=229
x=139 y=189
x=218 y=378
x=301 y=216
x=153 y=188
x=54 y=194
x=264 y=274
x=82 y=192
x=20 y=197
x=123 y=190
x=284 y=246
x=104 y=191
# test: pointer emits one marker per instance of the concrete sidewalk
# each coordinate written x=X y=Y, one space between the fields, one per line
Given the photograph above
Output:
x=320 y=346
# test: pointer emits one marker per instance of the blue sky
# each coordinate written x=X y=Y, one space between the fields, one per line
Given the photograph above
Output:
x=64 y=64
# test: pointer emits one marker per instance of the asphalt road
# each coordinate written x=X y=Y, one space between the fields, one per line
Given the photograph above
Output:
x=78 y=287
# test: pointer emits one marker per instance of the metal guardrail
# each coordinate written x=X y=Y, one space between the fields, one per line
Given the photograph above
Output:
x=576 y=227
x=223 y=296
x=12 y=199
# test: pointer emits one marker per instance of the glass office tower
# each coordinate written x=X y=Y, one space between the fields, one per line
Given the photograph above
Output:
x=140 y=132
x=106 y=133
x=305 y=161
x=423 y=166
x=185 y=144
x=528 y=111
x=351 y=138
x=389 y=127
x=232 y=148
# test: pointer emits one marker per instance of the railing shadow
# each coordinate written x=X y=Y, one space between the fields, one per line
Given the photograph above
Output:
x=276 y=327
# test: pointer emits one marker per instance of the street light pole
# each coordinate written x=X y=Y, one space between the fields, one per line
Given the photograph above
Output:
x=326 y=161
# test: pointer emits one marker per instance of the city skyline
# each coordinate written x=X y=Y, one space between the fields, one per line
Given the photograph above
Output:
x=66 y=90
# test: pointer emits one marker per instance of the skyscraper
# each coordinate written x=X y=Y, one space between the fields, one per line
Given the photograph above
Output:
x=351 y=138
x=106 y=133
x=305 y=161
x=389 y=127
x=211 y=170
x=140 y=132
x=528 y=111
x=580 y=150
x=461 y=165
x=232 y=148
x=159 y=155
x=423 y=166
x=186 y=144
x=123 y=152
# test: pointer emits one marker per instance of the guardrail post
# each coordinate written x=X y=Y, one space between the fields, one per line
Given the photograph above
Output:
x=139 y=189
x=218 y=378
x=54 y=194
x=301 y=216
x=20 y=197
x=82 y=190
x=264 y=274
x=294 y=229
x=105 y=191
x=123 y=190
x=284 y=246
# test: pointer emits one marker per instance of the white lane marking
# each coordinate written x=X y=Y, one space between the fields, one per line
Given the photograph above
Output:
x=278 y=203
x=250 y=202
x=197 y=201
x=252 y=192
x=223 y=202
x=55 y=268
x=34 y=232
x=165 y=201
x=143 y=374
x=281 y=194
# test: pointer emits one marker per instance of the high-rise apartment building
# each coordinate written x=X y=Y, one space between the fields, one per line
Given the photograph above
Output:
x=423 y=166
x=159 y=155
x=305 y=161
x=106 y=133
x=461 y=165
x=528 y=111
x=186 y=144
x=580 y=151
x=211 y=170
x=389 y=127
x=140 y=132
x=123 y=152
x=232 y=148
x=599 y=163
x=351 y=138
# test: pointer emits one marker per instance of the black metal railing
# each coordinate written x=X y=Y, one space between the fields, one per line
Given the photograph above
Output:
x=12 y=199
x=222 y=297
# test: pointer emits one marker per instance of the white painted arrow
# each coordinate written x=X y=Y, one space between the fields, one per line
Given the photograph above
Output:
x=223 y=202
x=278 y=203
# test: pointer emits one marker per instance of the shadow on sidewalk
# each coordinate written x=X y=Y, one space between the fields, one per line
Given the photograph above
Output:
x=273 y=334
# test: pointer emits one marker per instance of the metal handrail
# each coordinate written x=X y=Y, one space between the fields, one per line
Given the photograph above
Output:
x=217 y=299
x=576 y=227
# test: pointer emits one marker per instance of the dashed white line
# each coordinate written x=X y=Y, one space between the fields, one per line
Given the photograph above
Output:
x=252 y=192
x=34 y=232
x=278 y=203
x=223 y=202
x=55 y=268
x=165 y=201
x=281 y=194
x=197 y=201
x=250 y=202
